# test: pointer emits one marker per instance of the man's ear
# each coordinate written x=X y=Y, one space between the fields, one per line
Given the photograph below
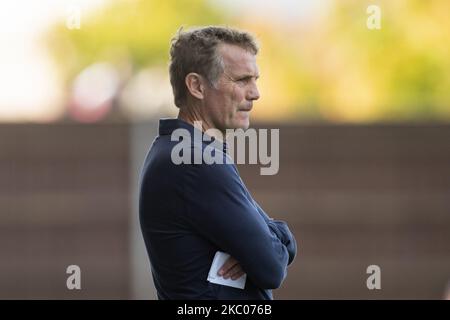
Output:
x=195 y=85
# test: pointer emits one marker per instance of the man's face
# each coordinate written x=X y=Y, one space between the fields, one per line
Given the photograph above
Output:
x=228 y=104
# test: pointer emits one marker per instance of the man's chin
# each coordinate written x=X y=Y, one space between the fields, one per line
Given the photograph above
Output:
x=242 y=125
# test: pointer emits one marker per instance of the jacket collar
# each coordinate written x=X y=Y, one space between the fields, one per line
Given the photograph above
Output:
x=168 y=125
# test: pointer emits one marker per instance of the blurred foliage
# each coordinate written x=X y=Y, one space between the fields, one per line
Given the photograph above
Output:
x=333 y=68
x=403 y=69
x=136 y=31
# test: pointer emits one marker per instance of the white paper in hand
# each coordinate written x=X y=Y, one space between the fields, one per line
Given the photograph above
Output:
x=219 y=259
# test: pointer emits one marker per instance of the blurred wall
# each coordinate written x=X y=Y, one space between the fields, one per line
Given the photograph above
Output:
x=64 y=200
x=362 y=195
x=353 y=196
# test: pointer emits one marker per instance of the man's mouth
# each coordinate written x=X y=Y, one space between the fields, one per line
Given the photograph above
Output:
x=246 y=109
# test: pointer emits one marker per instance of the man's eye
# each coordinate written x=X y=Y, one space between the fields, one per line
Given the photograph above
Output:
x=244 y=80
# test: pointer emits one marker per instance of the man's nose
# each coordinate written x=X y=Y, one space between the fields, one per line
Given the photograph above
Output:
x=253 y=92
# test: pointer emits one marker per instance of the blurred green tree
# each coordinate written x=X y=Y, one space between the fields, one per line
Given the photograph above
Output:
x=332 y=68
x=136 y=31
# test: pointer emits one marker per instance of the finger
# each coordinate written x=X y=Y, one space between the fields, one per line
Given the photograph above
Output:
x=237 y=275
x=226 y=268
x=236 y=271
x=236 y=268
x=227 y=265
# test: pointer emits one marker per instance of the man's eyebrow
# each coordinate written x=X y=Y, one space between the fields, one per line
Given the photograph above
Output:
x=244 y=76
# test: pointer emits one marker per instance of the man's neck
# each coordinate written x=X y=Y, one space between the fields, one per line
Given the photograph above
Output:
x=190 y=116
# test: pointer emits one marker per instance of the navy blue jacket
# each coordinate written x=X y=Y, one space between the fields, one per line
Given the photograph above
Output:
x=189 y=211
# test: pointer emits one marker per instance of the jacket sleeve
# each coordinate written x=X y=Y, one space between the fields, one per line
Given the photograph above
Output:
x=282 y=230
x=219 y=209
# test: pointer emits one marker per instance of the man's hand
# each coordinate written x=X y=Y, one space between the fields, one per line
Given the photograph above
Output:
x=231 y=269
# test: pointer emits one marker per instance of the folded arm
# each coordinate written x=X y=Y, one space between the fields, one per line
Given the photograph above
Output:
x=282 y=230
x=219 y=209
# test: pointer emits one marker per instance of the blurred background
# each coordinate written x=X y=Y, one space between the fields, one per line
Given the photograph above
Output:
x=364 y=119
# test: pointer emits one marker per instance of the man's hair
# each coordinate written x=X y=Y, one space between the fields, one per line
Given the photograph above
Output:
x=196 y=51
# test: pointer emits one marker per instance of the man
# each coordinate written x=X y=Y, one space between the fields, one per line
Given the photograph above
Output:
x=188 y=212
